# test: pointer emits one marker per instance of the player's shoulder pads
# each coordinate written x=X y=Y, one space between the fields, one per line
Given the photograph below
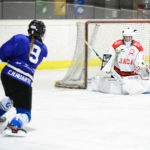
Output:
x=117 y=43
x=137 y=45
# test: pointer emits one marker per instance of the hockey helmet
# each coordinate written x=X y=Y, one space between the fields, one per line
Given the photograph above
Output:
x=128 y=32
x=37 y=29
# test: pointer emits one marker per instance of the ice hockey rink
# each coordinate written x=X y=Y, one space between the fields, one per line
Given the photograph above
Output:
x=69 y=119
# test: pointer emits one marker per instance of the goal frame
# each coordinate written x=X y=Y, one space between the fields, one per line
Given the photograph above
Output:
x=72 y=77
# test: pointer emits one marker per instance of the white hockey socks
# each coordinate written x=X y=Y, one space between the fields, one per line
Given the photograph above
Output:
x=5 y=105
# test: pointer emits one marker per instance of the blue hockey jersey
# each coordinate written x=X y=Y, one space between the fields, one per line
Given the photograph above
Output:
x=20 y=65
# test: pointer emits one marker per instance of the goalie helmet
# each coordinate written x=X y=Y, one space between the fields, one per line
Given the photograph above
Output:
x=37 y=29
x=128 y=32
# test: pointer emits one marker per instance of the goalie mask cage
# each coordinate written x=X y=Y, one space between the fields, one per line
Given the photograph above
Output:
x=100 y=34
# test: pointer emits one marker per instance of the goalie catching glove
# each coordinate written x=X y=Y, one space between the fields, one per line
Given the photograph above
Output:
x=143 y=72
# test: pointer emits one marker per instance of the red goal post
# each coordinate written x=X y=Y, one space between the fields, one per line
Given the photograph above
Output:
x=100 y=34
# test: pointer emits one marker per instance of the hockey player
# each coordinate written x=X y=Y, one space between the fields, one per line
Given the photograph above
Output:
x=126 y=59
x=22 y=54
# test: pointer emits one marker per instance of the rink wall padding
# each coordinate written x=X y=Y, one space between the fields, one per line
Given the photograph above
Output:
x=45 y=65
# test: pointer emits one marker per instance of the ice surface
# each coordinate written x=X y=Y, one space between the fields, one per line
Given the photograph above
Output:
x=67 y=119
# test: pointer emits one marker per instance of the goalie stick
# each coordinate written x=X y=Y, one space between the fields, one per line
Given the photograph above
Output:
x=90 y=47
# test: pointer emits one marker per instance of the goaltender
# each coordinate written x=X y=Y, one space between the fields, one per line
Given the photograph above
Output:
x=127 y=66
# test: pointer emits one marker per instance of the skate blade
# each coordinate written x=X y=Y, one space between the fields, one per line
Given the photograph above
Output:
x=19 y=133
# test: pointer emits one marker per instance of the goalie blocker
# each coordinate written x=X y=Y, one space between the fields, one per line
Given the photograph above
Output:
x=106 y=62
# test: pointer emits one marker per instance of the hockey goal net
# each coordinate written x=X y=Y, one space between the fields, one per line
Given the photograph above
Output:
x=100 y=34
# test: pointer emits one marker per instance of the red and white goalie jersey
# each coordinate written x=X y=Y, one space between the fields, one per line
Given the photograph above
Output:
x=127 y=57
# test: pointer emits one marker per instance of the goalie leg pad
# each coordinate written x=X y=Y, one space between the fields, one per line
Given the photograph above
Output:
x=106 y=85
x=135 y=85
